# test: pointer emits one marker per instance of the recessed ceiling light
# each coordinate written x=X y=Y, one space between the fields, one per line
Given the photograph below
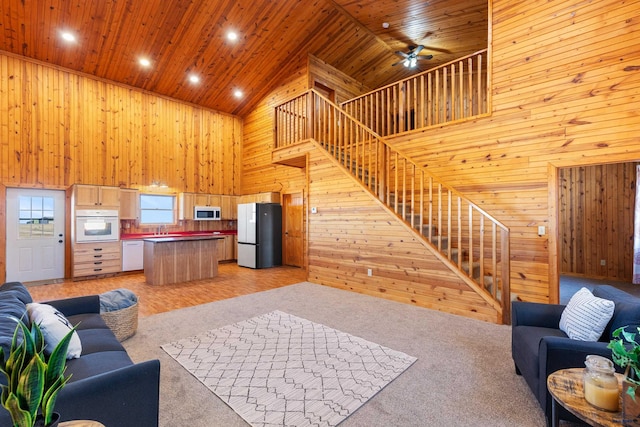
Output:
x=194 y=79
x=238 y=93
x=67 y=36
x=233 y=36
x=144 y=62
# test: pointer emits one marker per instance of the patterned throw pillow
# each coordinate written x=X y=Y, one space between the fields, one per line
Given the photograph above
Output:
x=586 y=316
x=54 y=327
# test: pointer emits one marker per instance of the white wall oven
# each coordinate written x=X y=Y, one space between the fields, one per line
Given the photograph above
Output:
x=97 y=225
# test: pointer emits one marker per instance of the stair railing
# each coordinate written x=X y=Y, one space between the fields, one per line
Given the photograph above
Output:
x=454 y=91
x=464 y=234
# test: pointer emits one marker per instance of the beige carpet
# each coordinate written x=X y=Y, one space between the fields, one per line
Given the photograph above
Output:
x=463 y=375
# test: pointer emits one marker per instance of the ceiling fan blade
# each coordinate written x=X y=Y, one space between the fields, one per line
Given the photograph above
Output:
x=424 y=57
x=417 y=49
x=400 y=53
x=398 y=63
x=437 y=49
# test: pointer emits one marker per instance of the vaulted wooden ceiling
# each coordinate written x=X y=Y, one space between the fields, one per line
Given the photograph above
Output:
x=275 y=36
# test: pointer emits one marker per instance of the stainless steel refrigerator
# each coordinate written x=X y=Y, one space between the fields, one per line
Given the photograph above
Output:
x=259 y=235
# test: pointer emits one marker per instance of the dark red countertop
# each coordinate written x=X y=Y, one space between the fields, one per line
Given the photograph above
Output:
x=139 y=236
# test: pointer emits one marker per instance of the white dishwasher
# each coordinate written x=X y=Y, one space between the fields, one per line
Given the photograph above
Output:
x=132 y=255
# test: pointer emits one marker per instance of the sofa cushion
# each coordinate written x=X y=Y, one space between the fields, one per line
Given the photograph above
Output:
x=528 y=339
x=586 y=316
x=93 y=364
x=87 y=321
x=98 y=340
x=626 y=312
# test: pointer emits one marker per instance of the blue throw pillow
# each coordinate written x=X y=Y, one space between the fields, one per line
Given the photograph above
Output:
x=18 y=289
x=10 y=305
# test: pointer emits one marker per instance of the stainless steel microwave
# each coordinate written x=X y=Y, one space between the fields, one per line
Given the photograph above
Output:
x=206 y=213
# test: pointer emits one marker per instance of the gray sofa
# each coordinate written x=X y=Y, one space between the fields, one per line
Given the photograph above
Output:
x=539 y=347
x=106 y=385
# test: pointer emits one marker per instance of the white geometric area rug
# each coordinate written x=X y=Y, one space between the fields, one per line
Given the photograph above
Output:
x=282 y=370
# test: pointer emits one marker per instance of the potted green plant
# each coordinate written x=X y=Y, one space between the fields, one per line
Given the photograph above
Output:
x=33 y=378
x=625 y=351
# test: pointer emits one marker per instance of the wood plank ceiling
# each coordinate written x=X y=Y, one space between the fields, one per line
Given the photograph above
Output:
x=275 y=36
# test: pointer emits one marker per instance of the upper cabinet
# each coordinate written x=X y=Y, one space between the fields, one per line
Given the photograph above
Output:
x=229 y=207
x=186 y=202
x=129 y=203
x=227 y=204
x=267 y=197
x=207 y=200
x=96 y=196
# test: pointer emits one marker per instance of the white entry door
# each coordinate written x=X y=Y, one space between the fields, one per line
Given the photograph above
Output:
x=35 y=234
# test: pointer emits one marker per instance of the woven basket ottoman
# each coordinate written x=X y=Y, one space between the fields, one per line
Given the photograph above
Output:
x=119 y=310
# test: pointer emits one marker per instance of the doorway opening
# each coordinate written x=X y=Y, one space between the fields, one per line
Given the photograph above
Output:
x=594 y=226
x=326 y=91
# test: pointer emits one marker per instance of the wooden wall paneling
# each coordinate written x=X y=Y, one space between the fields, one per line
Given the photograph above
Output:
x=564 y=84
x=3 y=236
x=596 y=221
x=61 y=128
x=344 y=85
x=258 y=173
x=352 y=232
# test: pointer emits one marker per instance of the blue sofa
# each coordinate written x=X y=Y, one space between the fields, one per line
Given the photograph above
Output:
x=105 y=385
x=539 y=347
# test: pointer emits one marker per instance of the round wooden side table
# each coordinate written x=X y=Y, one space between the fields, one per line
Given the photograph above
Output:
x=566 y=388
x=81 y=423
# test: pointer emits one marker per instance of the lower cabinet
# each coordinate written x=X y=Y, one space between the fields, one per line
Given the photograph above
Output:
x=227 y=249
x=230 y=247
x=90 y=259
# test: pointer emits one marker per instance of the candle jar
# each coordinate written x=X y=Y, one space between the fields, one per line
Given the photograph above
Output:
x=600 y=383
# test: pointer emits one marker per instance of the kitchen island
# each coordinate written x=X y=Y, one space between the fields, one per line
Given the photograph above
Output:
x=180 y=258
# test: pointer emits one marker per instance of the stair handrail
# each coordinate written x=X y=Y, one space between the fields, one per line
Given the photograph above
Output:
x=356 y=147
x=457 y=90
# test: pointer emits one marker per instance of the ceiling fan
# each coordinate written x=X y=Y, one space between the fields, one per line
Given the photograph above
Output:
x=410 y=58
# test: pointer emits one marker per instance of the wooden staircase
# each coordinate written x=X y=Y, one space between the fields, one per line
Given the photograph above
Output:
x=462 y=235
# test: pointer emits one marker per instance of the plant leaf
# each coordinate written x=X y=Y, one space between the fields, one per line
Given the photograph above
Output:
x=19 y=416
x=56 y=364
x=49 y=398
x=31 y=386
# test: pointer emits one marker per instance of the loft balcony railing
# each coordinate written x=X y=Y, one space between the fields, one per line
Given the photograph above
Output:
x=451 y=92
x=470 y=240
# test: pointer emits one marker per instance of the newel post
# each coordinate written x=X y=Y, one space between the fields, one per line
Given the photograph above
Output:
x=506 y=277
x=310 y=115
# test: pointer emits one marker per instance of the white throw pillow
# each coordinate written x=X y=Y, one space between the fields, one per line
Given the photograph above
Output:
x=54 y=327
x=586 y=316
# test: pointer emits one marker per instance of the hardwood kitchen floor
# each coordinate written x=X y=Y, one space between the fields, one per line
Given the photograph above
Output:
x=232 y=281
